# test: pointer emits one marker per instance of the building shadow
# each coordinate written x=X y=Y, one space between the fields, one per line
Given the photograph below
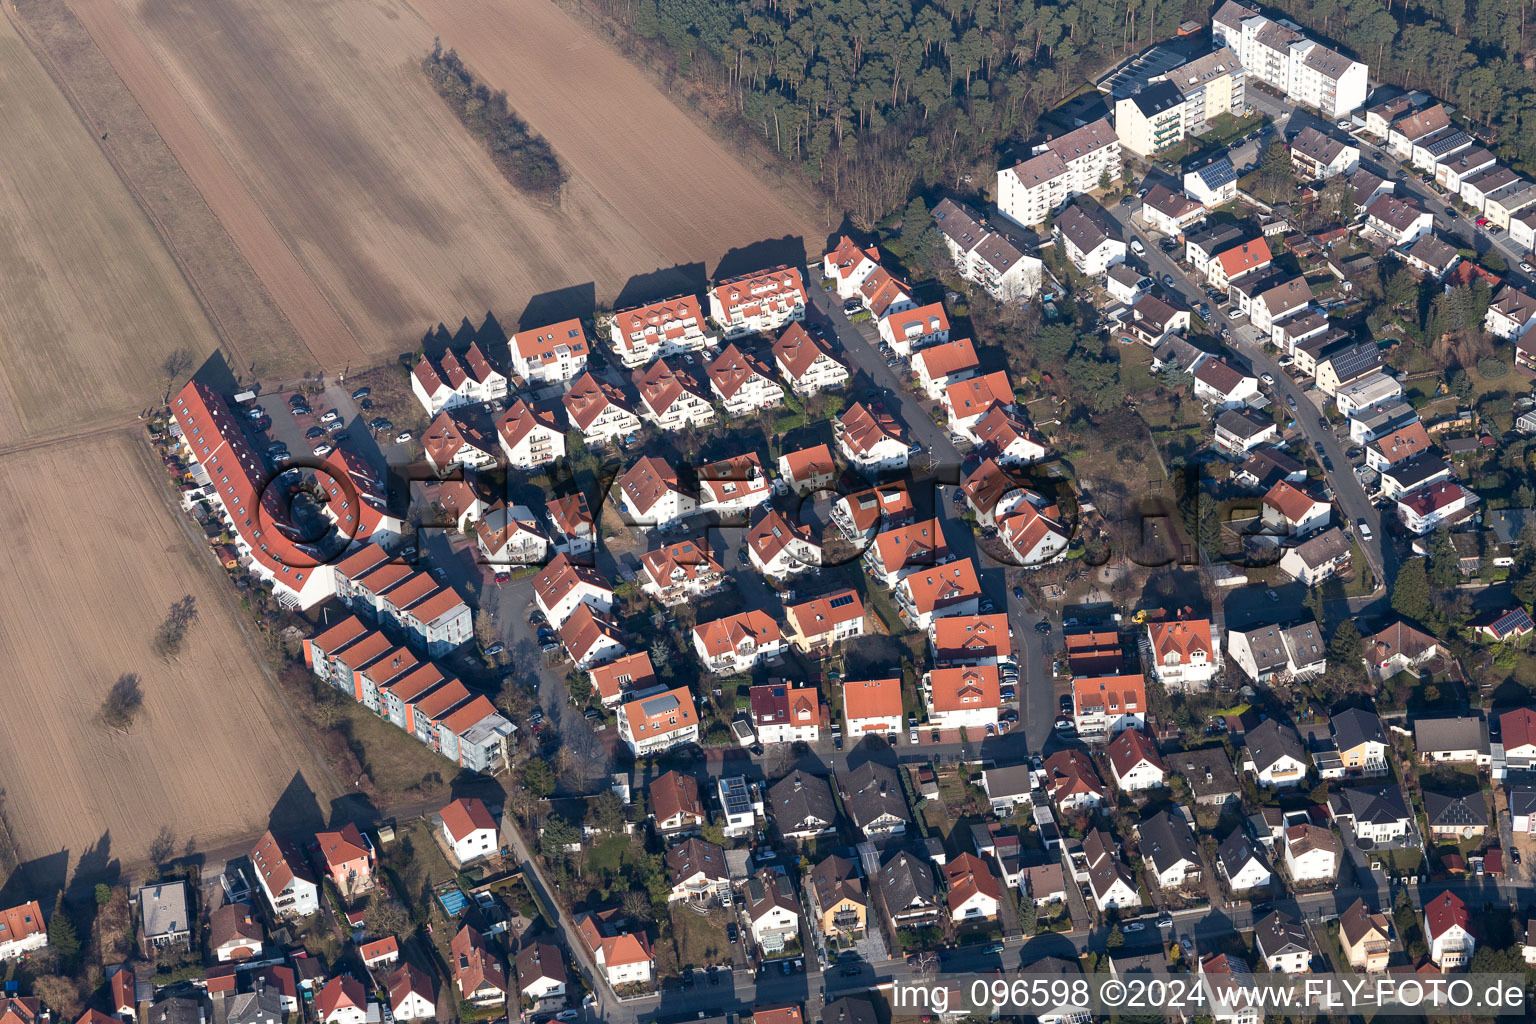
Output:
x=662 y=283
x=770 y=252
x=576 y=301
x=297 y=810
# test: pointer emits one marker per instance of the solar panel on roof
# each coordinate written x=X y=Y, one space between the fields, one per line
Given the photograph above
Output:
x=841 y=602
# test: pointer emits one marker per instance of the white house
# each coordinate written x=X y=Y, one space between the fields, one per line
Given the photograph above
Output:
x=562 y=585
x=773 y=912
x=24 y=930
x=1399 y=221
x=672 y=399
x=1217 y=383
x=871 y=440
x=1283 y=943
x=1275 y=754
x=1134 y=763
x=742 y=383
x=469 y=830
x=1008 y=438
x=848 y=265
x=734 y=485
x=550 y=355
x=1212 y=184
x=511 y=536
x=1426 y=508
x=530 y=438
x=807 y=364
x=762 y=301
x=1279 y=302
x=591 y=637
x=778 y=548
x=342 y=1000
x=1448 y=930
x=973 y=892
x=450 y=382
x=285 y=877
x=967 y=401
x=410 y=993
x=1183 y=654
x=658 y=722
x=1311 y=853
x=651 y=495
x=939 y=366
x=599 y=410
x=916 y=327
x=680 y=573
x=872 y=706
x=671 y=327
x=1089 y=238
x=986 y=257
x=1511 y=315
x=449 y=441
x=1240 y=864
x=1315 y=155
x=738 y=642
x=963 y=697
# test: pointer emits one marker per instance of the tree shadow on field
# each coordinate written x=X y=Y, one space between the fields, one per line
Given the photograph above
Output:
x=662 y=283
x=788 y=251
x=297 y=810
x=574 y=302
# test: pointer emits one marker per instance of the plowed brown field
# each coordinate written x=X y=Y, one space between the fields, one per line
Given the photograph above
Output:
x=80 y=600
x=312 y=124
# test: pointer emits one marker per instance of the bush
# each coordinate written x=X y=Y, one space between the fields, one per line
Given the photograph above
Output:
x=1491 y=368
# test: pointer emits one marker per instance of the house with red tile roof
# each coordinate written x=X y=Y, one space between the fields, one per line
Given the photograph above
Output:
x=658 y=722
x=450 y=441
x=650 y=494
x=512 y=537
x=599 y=410
x=939 y=366
x=963 y=697
x=738 y=642
x=550 y=355
x=807 y=363
x=1034 y=536
x=616 y=680
x=871 y=439
x=624 y=955
x=1072 y=781
x=973 y=893
x=734 y=485
x=848 y=265
x=1289 y=511
x=761 y=301
x=970 y=639
x=968 y=401
x=530 y=437
x=1183 y=654
x=1518 y=729
x=469 y=829
x=572 y=526
x=1105 y=706
x=863 y=514
x=450 y=381
x=779 y=548
x=1449 y=932
x=908 y=330
x=742 y=383
x=656 y=330
x=671 y=399
x=675 y=803
x=1134 y=763
x=1422 y=510
x=1236 y=261
x=833 y=618
x=902 y=550
x=782 y=713
x=591 y=637
x=681 y=572
x=285 y=878
x=343 y=1000
x=411 y=995
x=380 y=952
x=478 y=973
x=346 y=856
x=872 y=706
x=562 y=585
x=541 y=975
x=808 y=469
x=933 y=593
x=882 y=294
x=22 y=930
x=1004 y=436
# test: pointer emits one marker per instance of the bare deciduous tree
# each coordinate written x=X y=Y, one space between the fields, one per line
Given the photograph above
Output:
x=176 y=362
x=123 y=702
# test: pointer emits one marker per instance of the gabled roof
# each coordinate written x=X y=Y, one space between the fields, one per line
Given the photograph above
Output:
x=1382 y=804
x=967 y=875
x=1236 y=852
x=823 y=614
x=647 y=481
x=279 y=862
x=662 y=385
x=1355 y=726
x=1443 y=913
x=1359 y=923
x=1187 y=638
x=655 y=323
x=863 y=428
x=1279 y=933
x=1131 y=748
x=872 y=791
x=1466 y=733
x=907 y=881
x=800 y=797
x=589 y=398
x=675 y=793
x=464 y=816
x=796 y=350
x=694 y=857
x=660 y=714
x=1517 y=728
x=1397 y=214
x=1290 y=501
x=943 y=585
x=733 y=369
x=1167 y=841
x=474 y=965
x=341 y=992
x=872 y=698
x=1244 y=257
x=725 y=636
x=1272 y=740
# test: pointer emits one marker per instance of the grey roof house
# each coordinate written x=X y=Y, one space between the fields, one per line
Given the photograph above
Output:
x=873 y=799
x=803 y=807
x=911 y=895
x=163 y=915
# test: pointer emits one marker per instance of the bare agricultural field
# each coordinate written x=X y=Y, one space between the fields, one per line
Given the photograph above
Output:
x=90 y=301
x=212 y=751
x=396 y=215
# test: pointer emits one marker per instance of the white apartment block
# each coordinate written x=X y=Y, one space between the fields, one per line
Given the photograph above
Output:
x=550 y=355
x=1058 y=170
x=762 y=301
x=674 y=326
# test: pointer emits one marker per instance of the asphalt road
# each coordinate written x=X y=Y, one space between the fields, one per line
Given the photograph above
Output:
x=1244 y=342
